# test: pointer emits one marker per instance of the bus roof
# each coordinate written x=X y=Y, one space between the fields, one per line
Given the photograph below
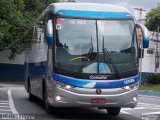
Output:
x=92 y=10
x=89 y=7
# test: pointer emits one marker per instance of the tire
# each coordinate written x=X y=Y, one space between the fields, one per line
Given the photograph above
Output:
x=30 y=96
x=113 y=111
x=47 y=106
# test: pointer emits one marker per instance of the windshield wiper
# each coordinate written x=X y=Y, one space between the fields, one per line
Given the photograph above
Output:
x=90 y=52
x=105 y=51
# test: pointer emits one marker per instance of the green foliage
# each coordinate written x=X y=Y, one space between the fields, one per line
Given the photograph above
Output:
x=15 y=18
x=150 y=87
x=153 y=19
x=153 y=79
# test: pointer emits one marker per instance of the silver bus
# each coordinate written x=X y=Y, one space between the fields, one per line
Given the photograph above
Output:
x=85 y=55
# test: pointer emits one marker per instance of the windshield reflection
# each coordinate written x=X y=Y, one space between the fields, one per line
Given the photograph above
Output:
x=76 y=45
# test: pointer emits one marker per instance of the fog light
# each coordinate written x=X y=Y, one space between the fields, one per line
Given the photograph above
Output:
x=58 y=98
x=134 y=99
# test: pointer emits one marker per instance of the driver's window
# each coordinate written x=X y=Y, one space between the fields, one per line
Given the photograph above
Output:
x=139 y=34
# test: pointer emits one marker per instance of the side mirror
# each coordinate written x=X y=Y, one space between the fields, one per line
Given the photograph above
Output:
x=49 y=32
x=145 y=35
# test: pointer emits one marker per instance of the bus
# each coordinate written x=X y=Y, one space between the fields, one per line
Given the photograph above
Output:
x=84 y=55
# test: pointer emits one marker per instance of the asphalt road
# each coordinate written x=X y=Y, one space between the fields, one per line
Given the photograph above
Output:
x=14 y=104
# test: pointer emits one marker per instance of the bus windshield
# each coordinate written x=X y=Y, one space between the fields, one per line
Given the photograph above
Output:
x=80 y=45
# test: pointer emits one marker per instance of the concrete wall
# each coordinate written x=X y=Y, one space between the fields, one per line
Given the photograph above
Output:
x=148 y=62
x=11 y=69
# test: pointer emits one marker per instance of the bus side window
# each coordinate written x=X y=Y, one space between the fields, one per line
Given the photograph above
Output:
x=140 y=41
x=38 y=32
x=139 y=35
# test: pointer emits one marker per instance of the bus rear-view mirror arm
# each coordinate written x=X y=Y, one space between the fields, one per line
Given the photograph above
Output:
x=143 y=35
x=49 y=32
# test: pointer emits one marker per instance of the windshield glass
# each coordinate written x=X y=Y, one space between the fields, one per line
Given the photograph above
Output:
x=79 y=50
x=120 y=41
x=76 y=44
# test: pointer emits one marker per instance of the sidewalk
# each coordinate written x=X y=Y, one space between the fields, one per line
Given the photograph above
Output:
x=7 y=84
x=148 y=93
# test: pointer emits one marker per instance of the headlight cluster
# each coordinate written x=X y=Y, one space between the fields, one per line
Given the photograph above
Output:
x=131 y=87
x=63 y=85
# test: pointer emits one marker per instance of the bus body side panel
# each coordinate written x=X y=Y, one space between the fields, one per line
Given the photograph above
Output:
x=36 y=68
x=36 y=61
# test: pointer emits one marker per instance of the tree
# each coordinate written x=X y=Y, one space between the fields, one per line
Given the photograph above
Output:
x=153 y=19
x=12 y=24
x=15 y=18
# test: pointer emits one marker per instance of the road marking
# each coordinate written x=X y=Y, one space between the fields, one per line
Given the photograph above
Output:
x=11 y=103
x=143 y=106
x=124 y=112
x=149 y=106
x=1 y=113
x=4 y=103
x=7 y=106
x=146 y=96
x=4 y=107
x=139 y=108
x=151 y=113
x=146 y=104
x=127 y=113
x=155 y=108
x=126 y=108
x=4 y=110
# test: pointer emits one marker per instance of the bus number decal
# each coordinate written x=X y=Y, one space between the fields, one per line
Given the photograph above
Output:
x=78 y=22
x=129 y=81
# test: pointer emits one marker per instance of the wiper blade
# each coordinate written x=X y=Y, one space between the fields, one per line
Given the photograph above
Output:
x=90 y=51
x=88 y=55
x=105 y=51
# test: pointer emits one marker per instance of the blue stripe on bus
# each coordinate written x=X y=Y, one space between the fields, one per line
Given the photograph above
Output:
x=94 y=14
x=37 y=69
x=96 y=83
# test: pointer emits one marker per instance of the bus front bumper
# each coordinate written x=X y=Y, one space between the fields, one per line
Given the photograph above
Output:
x=59 y=97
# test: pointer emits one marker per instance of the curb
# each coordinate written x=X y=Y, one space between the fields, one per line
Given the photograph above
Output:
x=4 y=86
x=148 y=93
x=10 y=84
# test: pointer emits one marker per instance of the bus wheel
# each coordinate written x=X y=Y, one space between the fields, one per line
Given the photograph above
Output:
x=30 y=96
x=113 y=111
x=48 y=107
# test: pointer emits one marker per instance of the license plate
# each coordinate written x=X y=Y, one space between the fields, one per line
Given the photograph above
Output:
x=98 y=100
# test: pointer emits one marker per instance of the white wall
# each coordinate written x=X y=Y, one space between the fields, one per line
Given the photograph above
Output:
x=148 y=62
x=19 y=59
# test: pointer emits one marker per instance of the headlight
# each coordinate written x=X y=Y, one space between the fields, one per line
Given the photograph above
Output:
x=63 y=85
x=131 y=87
